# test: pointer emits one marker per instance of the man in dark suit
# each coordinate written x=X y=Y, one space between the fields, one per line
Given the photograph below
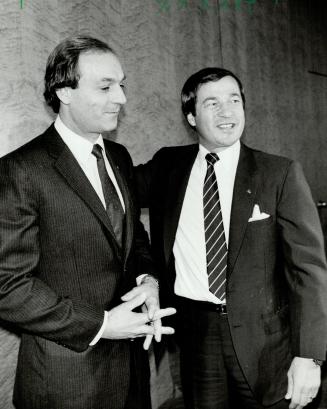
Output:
x=237 y=237
x=72 y=246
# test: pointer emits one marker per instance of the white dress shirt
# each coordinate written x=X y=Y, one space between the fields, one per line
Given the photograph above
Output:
x=189 y=247
x=81 y=148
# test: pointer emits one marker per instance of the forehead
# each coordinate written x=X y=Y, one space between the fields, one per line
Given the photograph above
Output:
x=220 y=88
x=98 y=66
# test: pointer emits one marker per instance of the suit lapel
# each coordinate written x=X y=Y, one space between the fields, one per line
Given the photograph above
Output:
x=68 y=167
x=245 y=187
x=176 y=189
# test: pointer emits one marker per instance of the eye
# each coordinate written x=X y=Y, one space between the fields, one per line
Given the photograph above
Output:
x=235 y=100
x=211 y=104
x=105 y=88
x=123 y=86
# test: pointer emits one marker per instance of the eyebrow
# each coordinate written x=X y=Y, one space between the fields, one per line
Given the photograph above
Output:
x=233 y=94
x=108 y=79
x=209 y=99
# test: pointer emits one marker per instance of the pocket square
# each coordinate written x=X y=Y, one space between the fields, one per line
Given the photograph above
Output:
x=257 y=215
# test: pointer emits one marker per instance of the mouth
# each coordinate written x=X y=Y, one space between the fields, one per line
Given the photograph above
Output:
x=229 y=125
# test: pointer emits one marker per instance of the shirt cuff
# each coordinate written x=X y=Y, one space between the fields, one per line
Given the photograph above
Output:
x=140 y=278
x=99 y=334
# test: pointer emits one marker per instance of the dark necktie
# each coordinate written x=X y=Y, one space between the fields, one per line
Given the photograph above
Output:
x=113 y=205
x=216 y=248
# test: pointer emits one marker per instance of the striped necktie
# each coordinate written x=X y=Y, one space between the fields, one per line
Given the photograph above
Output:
x=216 y=248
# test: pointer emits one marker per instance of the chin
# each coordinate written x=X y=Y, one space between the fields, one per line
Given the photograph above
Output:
x=110 y=127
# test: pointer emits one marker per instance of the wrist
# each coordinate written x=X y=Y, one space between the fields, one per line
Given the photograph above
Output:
x=318 y=362
x=149 y=279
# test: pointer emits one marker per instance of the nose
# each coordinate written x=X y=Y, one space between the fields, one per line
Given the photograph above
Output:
x=118 y=96
x=225 y=110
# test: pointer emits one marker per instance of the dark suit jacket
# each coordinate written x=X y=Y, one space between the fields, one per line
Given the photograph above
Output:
x=276 y=278
x=60 y=268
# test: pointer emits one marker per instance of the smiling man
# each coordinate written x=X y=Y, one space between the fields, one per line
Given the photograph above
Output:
x=237 y=238
x=72 y=247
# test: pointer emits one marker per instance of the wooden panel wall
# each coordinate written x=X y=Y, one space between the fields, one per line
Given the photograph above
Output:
x=270 y=44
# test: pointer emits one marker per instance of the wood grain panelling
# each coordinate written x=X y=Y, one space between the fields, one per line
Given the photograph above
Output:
x=271 y=45
x=272 y=49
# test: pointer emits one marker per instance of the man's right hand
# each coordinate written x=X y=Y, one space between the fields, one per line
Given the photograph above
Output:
x=123 y=323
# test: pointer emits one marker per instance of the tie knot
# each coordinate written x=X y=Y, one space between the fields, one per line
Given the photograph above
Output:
x=97 y=151
x=211 y=158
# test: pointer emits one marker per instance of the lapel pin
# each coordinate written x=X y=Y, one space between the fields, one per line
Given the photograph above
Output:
x=248 y=191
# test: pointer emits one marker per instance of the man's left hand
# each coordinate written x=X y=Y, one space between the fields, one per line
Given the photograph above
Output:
x=303 y=382
x=151 y=306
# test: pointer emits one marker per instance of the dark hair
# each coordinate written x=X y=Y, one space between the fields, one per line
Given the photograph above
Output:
x=192 y=84
x=62 y=65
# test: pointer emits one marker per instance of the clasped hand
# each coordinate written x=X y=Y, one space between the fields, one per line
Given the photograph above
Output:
x=123 y=323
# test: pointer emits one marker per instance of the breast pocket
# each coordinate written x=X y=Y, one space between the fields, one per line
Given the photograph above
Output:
x=257 y=237
x=261 y=223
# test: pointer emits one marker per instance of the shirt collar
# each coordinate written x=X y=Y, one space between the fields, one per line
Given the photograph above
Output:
x=229 y=155
x=80 y=147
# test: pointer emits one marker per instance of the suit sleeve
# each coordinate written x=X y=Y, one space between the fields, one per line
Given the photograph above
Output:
x=306 y=270
x=143 y=259
x=25 y=300
x=143 y=178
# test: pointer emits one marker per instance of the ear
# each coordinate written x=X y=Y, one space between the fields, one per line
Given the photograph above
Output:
x=191 y=119
x=64 y=94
